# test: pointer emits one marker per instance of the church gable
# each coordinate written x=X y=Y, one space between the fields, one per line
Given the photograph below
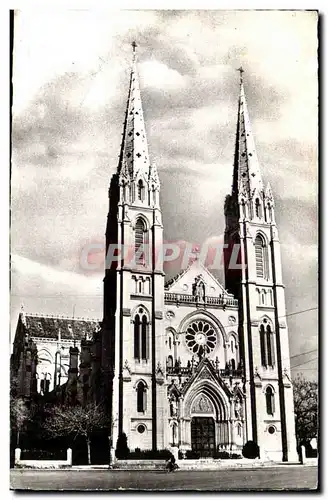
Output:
x=196 y=280
x=205 y=372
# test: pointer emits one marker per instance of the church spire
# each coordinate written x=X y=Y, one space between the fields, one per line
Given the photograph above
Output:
x=134 y=156
x=247 y=175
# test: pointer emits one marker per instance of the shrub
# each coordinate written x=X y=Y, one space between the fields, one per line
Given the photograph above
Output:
x=122 y=450
x=251 y=450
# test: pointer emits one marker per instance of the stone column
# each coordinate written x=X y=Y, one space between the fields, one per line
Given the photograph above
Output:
x=225 y=354
x=188 y=433
x=17 y=455
x=69 y=456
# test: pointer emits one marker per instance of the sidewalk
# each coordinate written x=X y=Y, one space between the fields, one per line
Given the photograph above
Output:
x=190 y=465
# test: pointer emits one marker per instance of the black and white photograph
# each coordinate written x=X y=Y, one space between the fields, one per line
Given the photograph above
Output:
x=164 y=250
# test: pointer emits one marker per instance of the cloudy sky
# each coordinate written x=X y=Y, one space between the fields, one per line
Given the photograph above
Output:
x=71 y=71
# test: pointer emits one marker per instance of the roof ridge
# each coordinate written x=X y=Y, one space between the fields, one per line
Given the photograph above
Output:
x=52 y=316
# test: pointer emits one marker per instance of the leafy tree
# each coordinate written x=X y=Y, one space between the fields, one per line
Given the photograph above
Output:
x=76 y=421
x=306 y=409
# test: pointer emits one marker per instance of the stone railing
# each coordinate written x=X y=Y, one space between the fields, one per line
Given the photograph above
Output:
x=183 y=298
x=186 y=371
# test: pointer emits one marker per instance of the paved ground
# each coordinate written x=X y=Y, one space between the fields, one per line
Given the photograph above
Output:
x=278 y=478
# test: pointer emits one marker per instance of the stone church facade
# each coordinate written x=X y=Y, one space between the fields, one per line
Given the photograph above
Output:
x=191 y=364
x=187 y=364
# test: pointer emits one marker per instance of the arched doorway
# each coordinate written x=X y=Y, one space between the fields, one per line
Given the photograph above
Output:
x=203 y=435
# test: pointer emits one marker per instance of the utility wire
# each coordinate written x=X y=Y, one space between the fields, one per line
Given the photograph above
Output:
x=303 y=353
x=304 y=363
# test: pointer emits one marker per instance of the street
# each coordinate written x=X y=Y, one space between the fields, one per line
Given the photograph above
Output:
x=268 y=478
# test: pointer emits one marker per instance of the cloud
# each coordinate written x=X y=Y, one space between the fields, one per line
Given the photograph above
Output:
x=51 y=277
x=158 y=75
x=68 y=120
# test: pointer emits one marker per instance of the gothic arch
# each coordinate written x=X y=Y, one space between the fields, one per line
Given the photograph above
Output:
x=262 y=235
x=136 y=311
x=135 y=385
x=268 y=321
x=170 y=333
x=234 y=336
x=204 y=315
x=267 y=386
x=144 y=219
x=45 y=354
x=215 y=395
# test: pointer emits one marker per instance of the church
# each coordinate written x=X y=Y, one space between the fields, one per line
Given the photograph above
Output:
x=189 y=363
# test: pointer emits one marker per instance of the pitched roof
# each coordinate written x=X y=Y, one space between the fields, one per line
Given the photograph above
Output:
x=69 y=328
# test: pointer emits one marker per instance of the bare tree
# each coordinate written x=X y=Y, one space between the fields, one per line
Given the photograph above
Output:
x=21 y=412
x=76 y=421
x=306 y=409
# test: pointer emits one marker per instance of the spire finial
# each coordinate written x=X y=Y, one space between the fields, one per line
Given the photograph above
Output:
x=134 y=46
x=241 y=71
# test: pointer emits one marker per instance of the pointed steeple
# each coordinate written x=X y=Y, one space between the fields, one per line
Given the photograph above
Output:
x=269 y=194
x=153 y=177
x=134 y=156
x=247 y=175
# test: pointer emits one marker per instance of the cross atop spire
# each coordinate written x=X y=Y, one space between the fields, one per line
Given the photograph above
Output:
x=134 y=150
x=247 y=175
x=241 y=71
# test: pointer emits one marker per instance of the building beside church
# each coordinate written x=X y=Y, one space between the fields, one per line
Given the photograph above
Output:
x=191 y=364
x=52 y=351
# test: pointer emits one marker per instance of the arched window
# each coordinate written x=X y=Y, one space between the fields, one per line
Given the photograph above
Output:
x=140 y=286
x=140 y=242
x=258 y=291
x=269 y=399
x=243 y=208
x=141 y=190
x=258 y=210
x=45 y=384
x=261 y=257
x=170 y=342
x=170 y=362
x=141 y=337
x=141 y=397
x=263 y=347
x=233 y=364
x=137 y=337
x=270 y=344
x=267 y=346
x=147 y=289
x=263 y=297
x=144 y=338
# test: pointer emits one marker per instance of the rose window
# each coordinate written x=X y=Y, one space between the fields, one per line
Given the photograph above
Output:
x=201 y=338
